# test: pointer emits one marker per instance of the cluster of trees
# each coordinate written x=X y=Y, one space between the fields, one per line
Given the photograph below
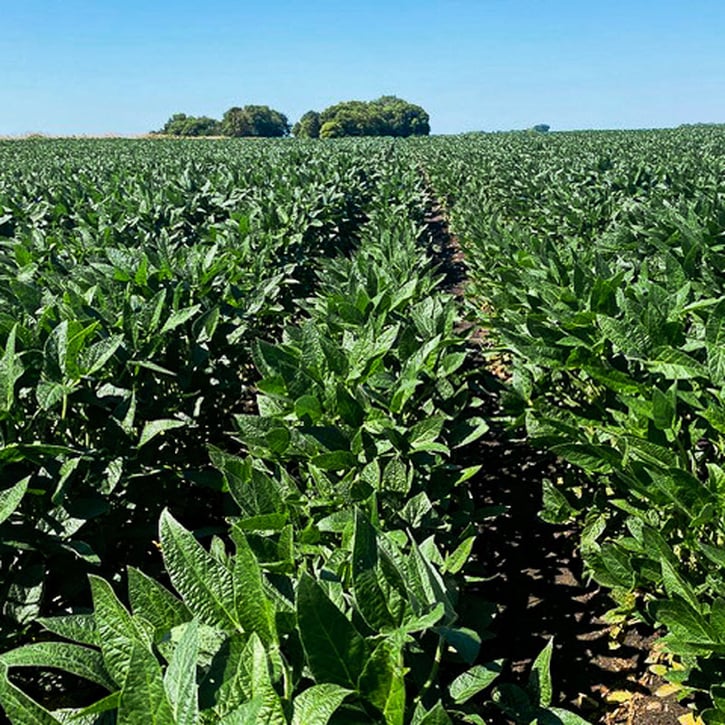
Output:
x=385 y=116
x=236 y=122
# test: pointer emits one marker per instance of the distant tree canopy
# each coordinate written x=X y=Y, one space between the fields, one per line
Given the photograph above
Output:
x=182 y=125
x=308 y=126
x=542 y=128
x=385 y=116
x=237 y=121
x=254 y=121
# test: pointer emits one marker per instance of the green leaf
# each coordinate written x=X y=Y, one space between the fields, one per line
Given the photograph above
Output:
x=685 y=622
x=154 y=427
x=563 y=717
x=206 y=587
x=180 y=677
x=675 y=583
x=254 y=610
x=373 y=595
x=179 y=317
x=143 y=698
x=98 y=354
x=117 y=632
x=664 y=408
x=11 y=369
x=425 y=585
x=77 y=627
x=456 y=560
x=10 y=498
x=73 y=658
x=317 y=704
x=674 y=364
x=382 y=682
x=250 y=713
x=155 y=603
x=473 y=681
x=257 y=663
x=308 y=406
x=539 y=685
x=335 y=461
x=395 y=477
x=105 y=704
x=437 y=715
x=336 y=652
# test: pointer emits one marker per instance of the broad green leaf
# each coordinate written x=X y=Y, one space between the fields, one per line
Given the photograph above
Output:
x=560 y=716
x=335 y=461
x=473 y=681
x=180 y=677
x=685 y=622
x=382 y=682
x=98 y=354
x=674 y=364
x=143 y=698
x=250 y=713
x=373 y=595
x=10 y=498
x=254 y=610
x=11 y=369
x=336 y=652
x=258 y=667
x=227 y=683
x=154 y=427
x=308 y=406
x=155 y=603
x=437 y=715
x=117 y=632
x=316 y=704
x=539 y=684
x=76 y=627
x=179 y=317
x=206 y=587
x=73 y=658
x=676 y=584
x=457 y=559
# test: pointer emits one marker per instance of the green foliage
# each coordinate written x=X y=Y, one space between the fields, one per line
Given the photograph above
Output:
x=308 y=126
x=600 y=258
x=385 y=116
x=182 y=125
x=254 y=121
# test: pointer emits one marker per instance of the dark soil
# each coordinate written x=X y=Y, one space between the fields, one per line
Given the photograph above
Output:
x=535 y=574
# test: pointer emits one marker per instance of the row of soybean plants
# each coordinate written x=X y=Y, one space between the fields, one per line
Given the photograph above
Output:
x=598 y=262
x=334 y=589
x=133 y=278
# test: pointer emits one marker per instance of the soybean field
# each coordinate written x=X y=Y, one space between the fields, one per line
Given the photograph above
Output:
x=249 y=392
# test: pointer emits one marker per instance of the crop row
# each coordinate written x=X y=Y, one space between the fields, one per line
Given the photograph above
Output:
x=597 y=261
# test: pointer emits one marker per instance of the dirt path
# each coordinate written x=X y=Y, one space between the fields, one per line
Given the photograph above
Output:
x=534 y=572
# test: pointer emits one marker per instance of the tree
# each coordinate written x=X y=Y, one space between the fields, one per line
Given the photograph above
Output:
x=254 y=121
x=182 y=125
x=385 y=116
x=308 y=126
x=542 y=128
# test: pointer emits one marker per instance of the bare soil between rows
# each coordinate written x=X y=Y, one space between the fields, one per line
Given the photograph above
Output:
x=533 y=571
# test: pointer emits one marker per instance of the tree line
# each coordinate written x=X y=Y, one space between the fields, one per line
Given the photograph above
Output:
x=384 y=116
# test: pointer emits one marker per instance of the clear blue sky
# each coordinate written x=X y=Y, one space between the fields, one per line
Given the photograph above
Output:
x=103 y=66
